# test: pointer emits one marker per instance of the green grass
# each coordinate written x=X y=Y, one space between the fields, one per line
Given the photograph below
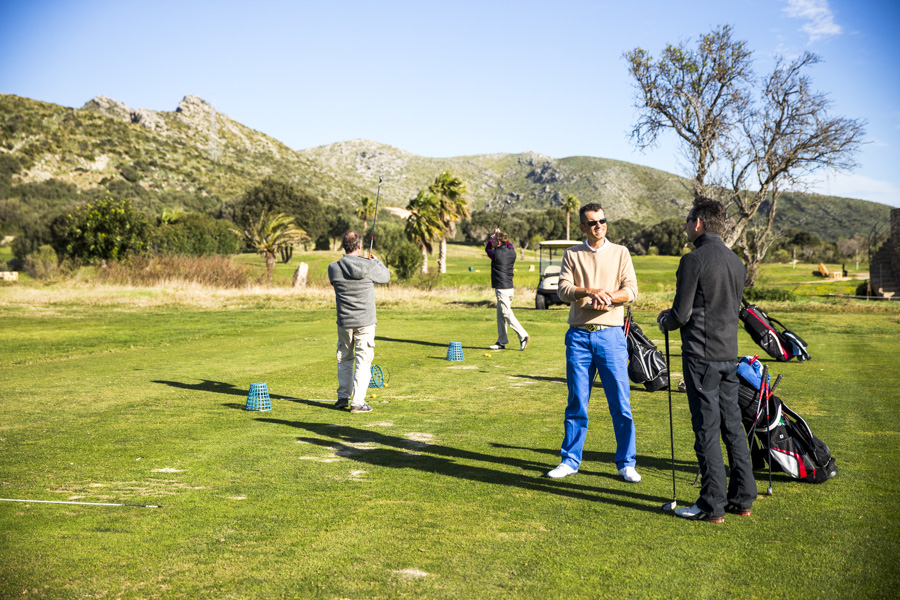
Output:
x=435 y=494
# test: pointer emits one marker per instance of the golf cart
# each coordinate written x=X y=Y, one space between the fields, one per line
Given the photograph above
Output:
x=551 y=254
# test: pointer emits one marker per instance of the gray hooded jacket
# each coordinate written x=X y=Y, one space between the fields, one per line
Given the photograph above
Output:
x=354 y=279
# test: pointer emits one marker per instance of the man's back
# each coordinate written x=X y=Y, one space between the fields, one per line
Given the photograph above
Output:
x=708 y=299
x=353 y=279
x=503 y=267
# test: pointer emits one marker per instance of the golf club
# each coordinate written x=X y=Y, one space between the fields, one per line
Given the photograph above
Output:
x=375 y=218
x=674 y=503
x=765 y=384
x=503 y=210
x=752 y=429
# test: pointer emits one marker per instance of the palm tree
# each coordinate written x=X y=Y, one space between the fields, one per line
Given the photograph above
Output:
x=424 y=224
x=271 y=233
x=571 y=203
x=365 y=210
x=454 y=205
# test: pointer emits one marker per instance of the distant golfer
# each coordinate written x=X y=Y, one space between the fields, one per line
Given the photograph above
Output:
x=353 y=278
x=709 y=287
x=503 y=262
x=597 y=278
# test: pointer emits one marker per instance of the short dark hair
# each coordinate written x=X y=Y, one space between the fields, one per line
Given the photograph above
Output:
x=502 y=237
x=711 y=213
x=589 y=207
x=351 y=241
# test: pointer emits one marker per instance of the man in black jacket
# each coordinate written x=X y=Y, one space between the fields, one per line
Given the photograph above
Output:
x=709 y=287
x=503 y=262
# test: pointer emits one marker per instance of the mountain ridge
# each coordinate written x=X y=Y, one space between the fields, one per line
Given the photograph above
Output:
x=200 y=158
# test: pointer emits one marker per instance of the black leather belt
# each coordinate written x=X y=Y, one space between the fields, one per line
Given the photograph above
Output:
x=592 y=328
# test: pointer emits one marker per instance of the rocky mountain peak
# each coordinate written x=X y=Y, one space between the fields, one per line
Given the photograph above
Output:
x=109 y=107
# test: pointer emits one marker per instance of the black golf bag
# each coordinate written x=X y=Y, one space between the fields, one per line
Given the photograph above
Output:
x=784 y=435
x=781 y=345
x=646 y=364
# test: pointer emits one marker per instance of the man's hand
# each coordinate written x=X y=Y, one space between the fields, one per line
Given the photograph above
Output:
x=659 y=319
x=600 y=299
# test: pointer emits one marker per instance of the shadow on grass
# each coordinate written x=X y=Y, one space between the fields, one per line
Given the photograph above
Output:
x=215 y=387
x=633 y=388
x=474 y=303
x=402 y=453
x=662 y=464
x=380 y=338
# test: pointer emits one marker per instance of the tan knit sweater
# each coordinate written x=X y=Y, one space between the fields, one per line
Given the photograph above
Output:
x=609 y=269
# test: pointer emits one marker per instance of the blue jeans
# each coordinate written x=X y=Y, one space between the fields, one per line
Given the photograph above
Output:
x=588 y=353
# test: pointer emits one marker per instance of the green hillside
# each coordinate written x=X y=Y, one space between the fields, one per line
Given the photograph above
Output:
x=195 y=158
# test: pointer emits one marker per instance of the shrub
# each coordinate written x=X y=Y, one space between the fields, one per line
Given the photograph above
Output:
x=33 y=235
x=755 y=294
x=107 y=229
x=407 y=260
x=779 y=256
x=195 y=234
x=43 y=263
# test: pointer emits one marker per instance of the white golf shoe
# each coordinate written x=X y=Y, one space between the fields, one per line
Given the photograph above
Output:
x=561 y=471
x=630 y=475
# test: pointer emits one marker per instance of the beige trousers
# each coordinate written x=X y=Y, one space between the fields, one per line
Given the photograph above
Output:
x=505 y=316
x=355 y=352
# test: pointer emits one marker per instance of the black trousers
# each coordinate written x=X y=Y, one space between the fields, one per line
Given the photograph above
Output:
x=712 y=391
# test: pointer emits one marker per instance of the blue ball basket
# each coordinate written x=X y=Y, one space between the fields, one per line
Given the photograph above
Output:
x=455 y=351
x=258 y=397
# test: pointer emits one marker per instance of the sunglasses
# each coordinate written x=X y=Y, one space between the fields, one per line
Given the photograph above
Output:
x=595 y=223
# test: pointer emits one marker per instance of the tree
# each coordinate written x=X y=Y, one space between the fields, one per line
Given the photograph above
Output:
x=275 y=196
x=571 y=203
x=424 y=224
x=667 y=236
x=107 y=229
x=365 y=210
x=745 y=140
x=338 y=225
x=450 y=192
x=268 y=234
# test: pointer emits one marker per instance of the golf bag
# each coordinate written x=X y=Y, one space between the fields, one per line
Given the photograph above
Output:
x=792 y=445
x=781 y=345
x=646 y=364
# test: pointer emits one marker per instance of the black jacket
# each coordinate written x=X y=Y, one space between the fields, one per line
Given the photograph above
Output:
x=503 y=262
x=710 y=284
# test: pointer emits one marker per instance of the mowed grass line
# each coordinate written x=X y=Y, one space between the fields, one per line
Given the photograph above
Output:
x=437 y=493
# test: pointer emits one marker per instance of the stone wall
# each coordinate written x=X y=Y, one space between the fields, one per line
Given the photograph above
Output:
x=895 y=242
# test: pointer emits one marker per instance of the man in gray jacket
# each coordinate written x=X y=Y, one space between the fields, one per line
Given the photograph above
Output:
x=353 y=278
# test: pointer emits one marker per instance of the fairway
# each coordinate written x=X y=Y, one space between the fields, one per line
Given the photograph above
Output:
x=137 y=397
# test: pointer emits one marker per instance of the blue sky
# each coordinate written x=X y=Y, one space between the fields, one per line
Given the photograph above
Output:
x=445 y=78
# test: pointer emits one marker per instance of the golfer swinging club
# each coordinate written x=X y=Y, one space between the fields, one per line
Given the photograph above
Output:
x=597 y=278
x=353 y=278
x=708 y=291
x=503 y=261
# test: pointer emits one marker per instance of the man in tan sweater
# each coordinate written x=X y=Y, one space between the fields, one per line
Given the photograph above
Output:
x=597 y=279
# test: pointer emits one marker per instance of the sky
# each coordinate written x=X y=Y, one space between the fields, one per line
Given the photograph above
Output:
x=442 y=79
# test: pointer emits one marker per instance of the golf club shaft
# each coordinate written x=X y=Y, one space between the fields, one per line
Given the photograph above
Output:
x=375 y=217
x=502 y=211
x=671 y=426
x=764 y=385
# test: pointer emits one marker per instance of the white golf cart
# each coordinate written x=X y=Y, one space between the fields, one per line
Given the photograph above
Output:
x=551 y=255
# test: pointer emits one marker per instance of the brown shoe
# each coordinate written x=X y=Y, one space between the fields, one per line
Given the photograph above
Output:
x=734 y=509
